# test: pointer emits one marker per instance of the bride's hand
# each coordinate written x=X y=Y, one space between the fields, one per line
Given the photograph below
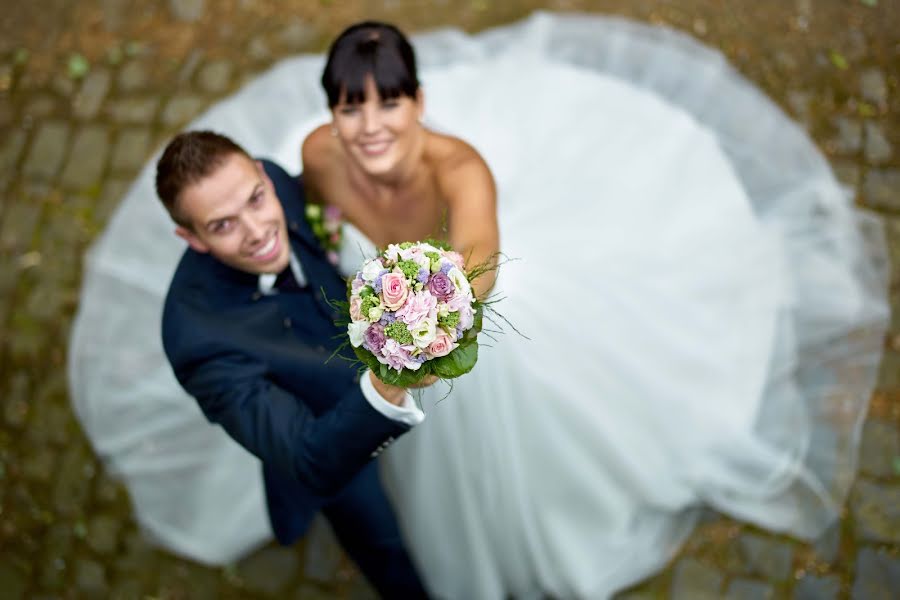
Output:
x=396 y=395
x=425 y=382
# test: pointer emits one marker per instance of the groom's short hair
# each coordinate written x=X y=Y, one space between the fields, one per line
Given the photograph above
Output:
x=187 y=159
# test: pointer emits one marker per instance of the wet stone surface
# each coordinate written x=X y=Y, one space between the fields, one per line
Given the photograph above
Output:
x=133 y=110
x=695 y=580
x=877 y=511
x=131 y=149
x=48 y=150
x=748 y=589
x=215 y=76
x=817 y=588
x=181 y=109
x=882 y=189
x=89 y=90
x=87 y=158
x=269 y=570
x=880 y=448
x=766 y=557
x=87 y=103
x=878 y=149
x=877 y=576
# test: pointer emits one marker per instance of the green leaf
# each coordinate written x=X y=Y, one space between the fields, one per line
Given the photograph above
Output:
x=403 y=378
x=896 y=465
x=838 y=60
x=438 y=243
x=459 y=362
x=870 y=3
x=370 y=361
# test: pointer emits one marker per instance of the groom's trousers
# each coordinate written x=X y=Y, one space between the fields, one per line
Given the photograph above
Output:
x=364 y=522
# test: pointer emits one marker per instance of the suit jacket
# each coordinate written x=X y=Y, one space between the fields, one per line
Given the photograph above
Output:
x=256 y=365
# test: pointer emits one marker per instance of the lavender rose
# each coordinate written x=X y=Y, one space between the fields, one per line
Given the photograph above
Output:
x=441 y=287
x=374 y=338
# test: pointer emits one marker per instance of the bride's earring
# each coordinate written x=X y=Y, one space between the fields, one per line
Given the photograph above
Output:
x=333 y=130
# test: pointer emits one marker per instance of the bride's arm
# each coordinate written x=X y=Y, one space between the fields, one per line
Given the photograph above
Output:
x=472 y=201
x=313 y=159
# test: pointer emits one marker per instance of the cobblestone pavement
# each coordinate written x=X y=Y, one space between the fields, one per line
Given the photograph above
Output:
x=89 y=89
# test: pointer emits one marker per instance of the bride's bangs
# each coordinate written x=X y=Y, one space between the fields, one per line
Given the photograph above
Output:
x=374 y=49
x=392 y=78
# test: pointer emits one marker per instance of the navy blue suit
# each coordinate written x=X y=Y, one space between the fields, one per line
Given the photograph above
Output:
x=256 y=365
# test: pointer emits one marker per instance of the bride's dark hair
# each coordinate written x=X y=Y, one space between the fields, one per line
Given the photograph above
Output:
x=370 y=48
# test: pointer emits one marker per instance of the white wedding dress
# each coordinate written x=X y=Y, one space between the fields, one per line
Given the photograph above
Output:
x=703 y=307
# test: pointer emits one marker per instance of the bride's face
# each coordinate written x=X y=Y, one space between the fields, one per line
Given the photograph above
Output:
x=378 y=133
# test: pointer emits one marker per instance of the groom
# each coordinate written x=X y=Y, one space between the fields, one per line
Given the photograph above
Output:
x=248 y=329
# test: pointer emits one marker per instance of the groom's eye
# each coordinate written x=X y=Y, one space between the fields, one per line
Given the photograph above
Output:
x=220 y=226
x=349 y=110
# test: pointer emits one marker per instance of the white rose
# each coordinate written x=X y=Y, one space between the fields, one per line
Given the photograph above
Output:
x=424 y=332
x=371 y=270
x=357 y=332
x=375 y=312
x=392 y=252
x=459 y=280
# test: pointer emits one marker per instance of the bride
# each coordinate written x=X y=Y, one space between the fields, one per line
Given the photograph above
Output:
x=703 y=305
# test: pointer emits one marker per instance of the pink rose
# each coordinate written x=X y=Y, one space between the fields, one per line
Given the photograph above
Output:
x=394 y=290
x=356 y=309
x=418 y=306
x=442 y=345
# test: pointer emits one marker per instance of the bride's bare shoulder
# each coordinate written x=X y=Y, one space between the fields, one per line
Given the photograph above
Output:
x=318 y=150
x=453 y=157
x=450 y=153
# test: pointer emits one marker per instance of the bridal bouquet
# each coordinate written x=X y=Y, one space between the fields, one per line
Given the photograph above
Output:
x=413 y=313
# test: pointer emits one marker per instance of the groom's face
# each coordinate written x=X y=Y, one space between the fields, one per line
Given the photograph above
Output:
x=235 y=215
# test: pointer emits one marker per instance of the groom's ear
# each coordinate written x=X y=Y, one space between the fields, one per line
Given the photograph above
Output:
x=420 y=101
x=191 y=238
x=265 y=176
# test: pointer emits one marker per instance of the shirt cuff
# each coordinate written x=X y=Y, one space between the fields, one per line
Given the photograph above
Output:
x=407 y=413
